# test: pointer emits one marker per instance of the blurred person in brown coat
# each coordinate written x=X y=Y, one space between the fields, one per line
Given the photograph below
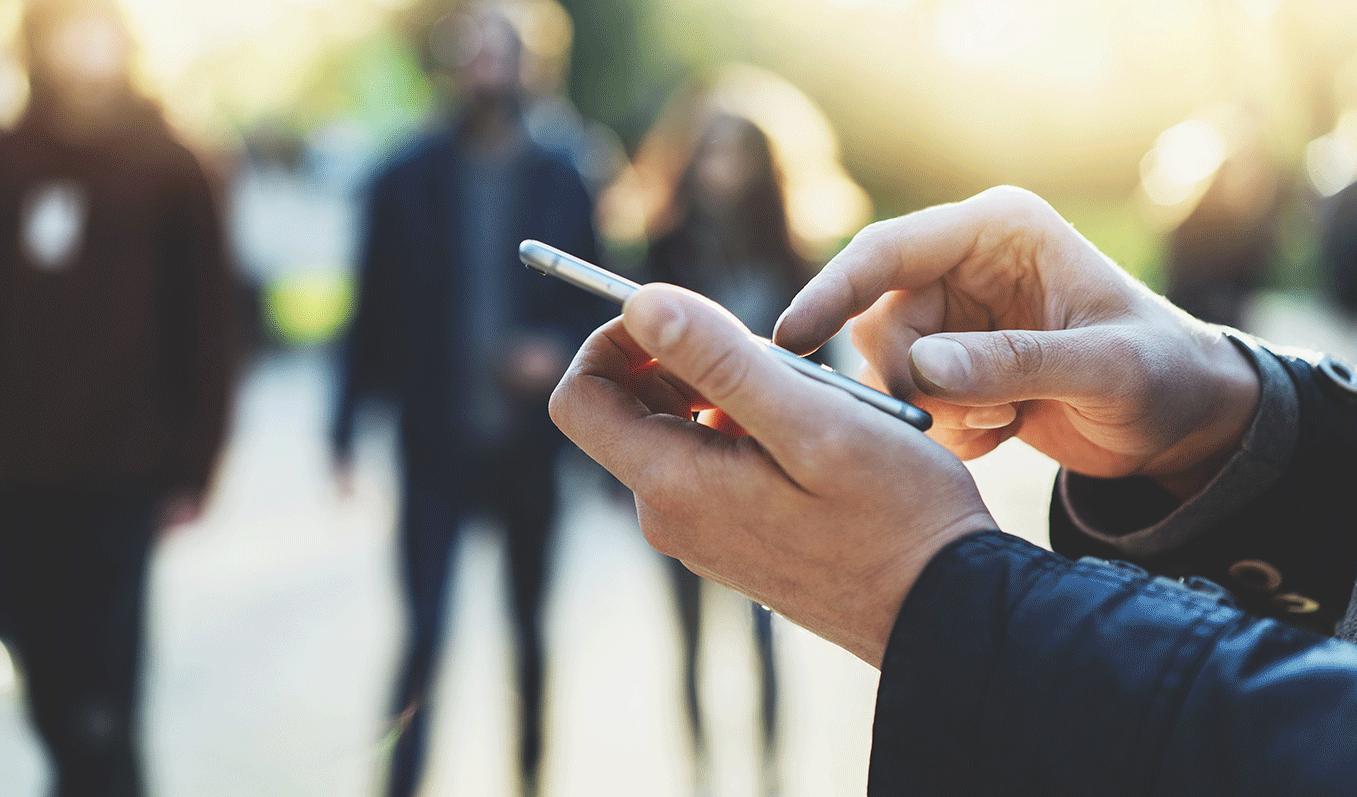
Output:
x=115 y=366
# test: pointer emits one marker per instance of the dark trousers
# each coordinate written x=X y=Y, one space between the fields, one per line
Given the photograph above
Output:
x=73 y=568
x=518 y=491
x=687 y=592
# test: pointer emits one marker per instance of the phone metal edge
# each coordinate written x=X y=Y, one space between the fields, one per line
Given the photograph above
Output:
x=550 y=261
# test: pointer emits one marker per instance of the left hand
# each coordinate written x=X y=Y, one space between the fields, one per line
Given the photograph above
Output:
x=792 y=492
x=1001 y=320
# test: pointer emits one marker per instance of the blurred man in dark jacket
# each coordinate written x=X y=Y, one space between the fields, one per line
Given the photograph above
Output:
x=469 y=343
x=115 y=366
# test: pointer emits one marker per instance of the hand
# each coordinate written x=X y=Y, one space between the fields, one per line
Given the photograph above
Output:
x=997 y=317
x=793 y=493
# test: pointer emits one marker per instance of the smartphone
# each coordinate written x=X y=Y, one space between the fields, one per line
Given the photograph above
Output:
x=599 y=281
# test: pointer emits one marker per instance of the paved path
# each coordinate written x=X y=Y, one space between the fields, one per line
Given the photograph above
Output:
x=275 y=623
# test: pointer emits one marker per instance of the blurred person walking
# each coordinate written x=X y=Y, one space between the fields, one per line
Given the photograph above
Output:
x=1225 y=250
x=728 y=238
x=468 y=344
x=116 y=352
x=1338 y=248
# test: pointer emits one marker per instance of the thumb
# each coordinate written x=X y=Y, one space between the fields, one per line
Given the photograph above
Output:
x=979 y=369
x=702 y=344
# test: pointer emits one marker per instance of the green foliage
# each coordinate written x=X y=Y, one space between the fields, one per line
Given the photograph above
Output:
x=378 y=82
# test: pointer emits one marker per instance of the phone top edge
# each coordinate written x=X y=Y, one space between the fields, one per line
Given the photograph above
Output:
x=551 y=261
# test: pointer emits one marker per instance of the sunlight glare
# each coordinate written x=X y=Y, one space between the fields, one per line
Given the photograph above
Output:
x=1331 y=162
x=893 y=4
x=1260 y=10
x=13 y=91
x=1184 y=156
x=984 y=31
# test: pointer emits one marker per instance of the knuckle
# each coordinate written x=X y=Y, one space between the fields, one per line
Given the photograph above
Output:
x=1021 y=351
x=657 y=535
x=725 y=375
x=1018 y=206
x=670 y=510
x=1136 y=363
x=831 y=452
x=863 y=332
x=1012 y=198
x=876 y=232
x=658 y=493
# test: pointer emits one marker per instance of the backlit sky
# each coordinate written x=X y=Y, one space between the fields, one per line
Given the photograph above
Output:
x=927 y=94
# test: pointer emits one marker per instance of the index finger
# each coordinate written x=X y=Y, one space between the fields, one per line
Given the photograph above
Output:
x=898 y=254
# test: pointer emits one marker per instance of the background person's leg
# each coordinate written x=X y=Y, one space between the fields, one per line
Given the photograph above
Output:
x=688 y=598
x=430 y=518
x=80 y=565
x=528 y=506
x=763 y=637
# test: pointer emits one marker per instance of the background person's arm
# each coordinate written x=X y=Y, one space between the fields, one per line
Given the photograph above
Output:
x=368 y=355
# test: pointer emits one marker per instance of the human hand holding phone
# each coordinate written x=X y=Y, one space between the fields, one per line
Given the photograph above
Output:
x=789 y=491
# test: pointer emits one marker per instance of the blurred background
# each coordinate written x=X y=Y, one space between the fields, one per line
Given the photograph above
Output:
x=1208 y=146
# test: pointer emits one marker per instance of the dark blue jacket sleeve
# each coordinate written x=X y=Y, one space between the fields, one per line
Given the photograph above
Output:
x=1012 y=670
x=369 y=352
x=570 y=312
x=1300 y=525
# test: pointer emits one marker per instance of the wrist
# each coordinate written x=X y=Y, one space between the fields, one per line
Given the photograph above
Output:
x=1229 y=403
x=870 y=646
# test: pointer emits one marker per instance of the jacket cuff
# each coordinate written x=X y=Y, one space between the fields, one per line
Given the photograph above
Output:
x=1139 y=519
x=1002 y=649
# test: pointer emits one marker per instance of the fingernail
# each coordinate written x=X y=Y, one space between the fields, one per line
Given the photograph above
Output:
x=945 y=363
x=659 y=318
x=990 y=417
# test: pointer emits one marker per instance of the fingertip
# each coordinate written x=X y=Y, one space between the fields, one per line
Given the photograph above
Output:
x=780 y=334
x=800 y=329
x=655 y=318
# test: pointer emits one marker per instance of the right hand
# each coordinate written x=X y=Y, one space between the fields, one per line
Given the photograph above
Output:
x=998 y=318
x=792 y=492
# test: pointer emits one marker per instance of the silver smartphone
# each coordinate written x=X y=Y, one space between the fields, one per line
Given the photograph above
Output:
x=552 y=261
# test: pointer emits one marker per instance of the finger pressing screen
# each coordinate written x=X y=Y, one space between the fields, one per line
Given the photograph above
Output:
x=903 y=253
